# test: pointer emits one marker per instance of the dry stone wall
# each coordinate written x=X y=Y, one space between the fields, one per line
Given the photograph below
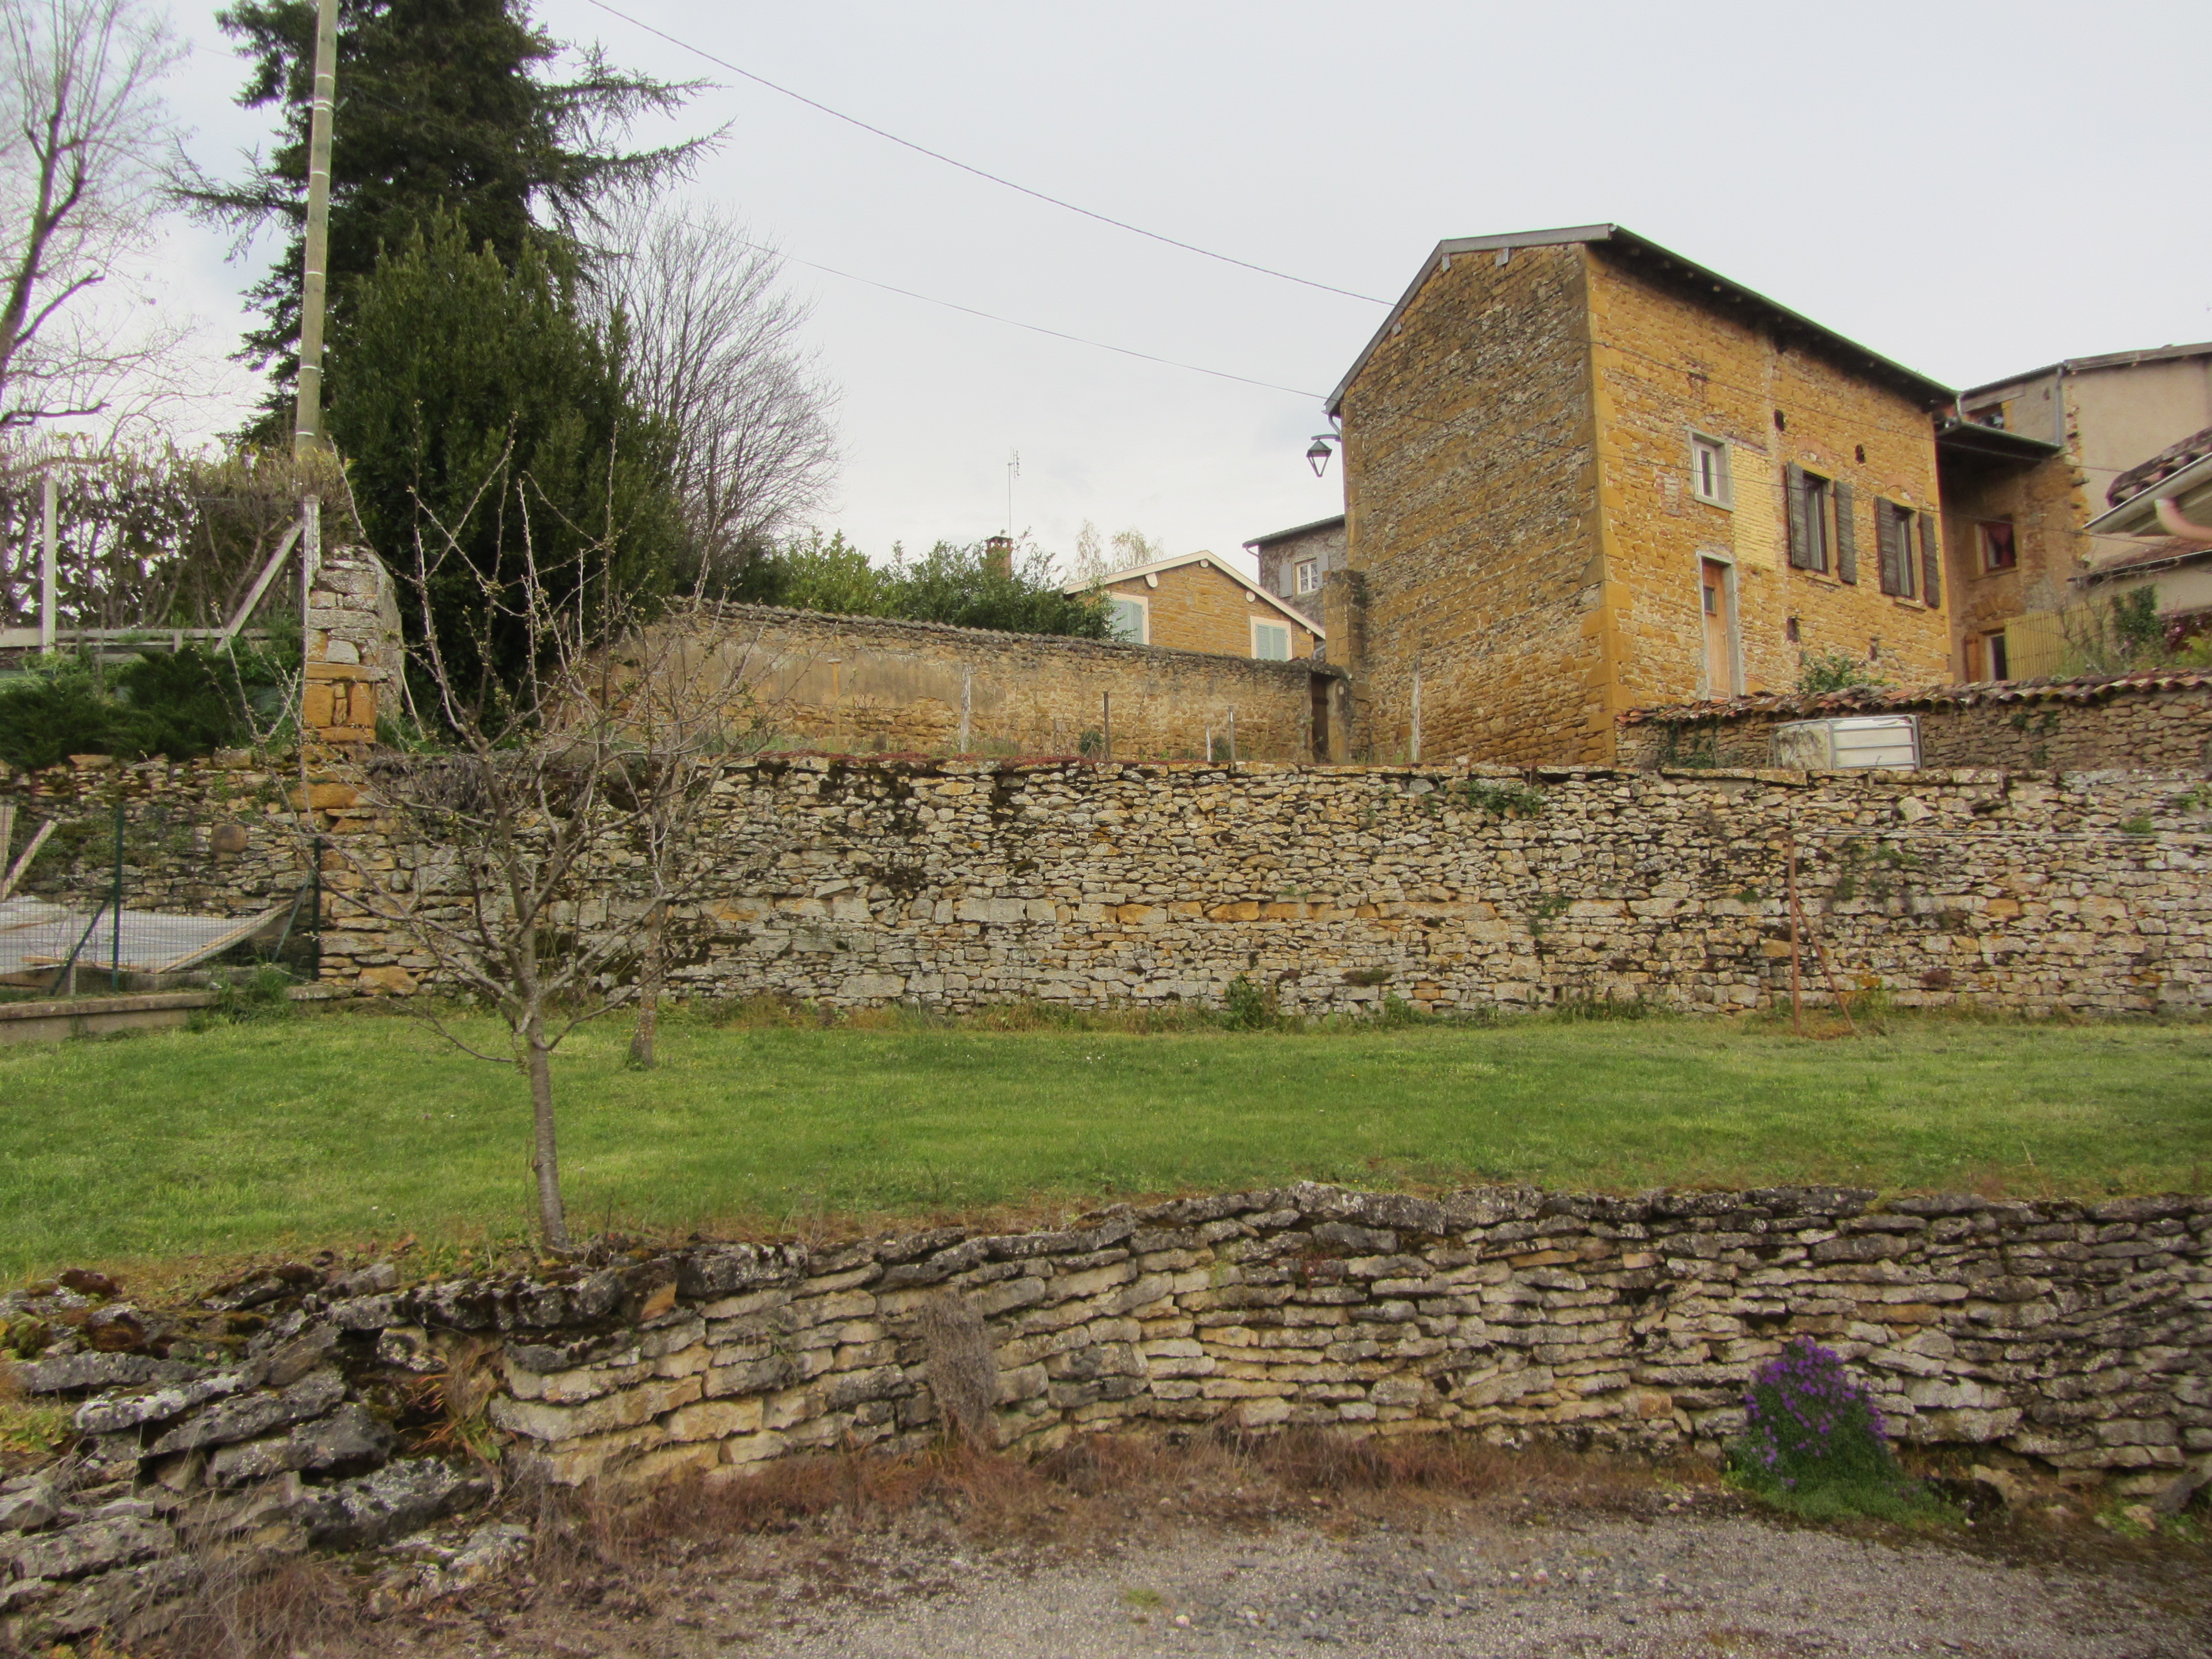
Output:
x=284 y=1411
x=955 y=886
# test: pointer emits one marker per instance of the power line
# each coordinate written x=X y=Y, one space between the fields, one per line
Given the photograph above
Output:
x=968 y=167
x=1033 y=328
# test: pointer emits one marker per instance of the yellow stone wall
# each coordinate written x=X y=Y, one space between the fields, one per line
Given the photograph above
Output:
x=1525 y=545
x=1467 y=490
x=1669 y=364
x=1209 y=607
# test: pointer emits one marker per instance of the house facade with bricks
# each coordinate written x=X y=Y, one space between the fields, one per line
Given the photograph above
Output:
x=1583 y=475
x=1198 y=602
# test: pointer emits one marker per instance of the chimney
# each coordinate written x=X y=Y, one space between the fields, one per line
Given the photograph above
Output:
x=998 y=556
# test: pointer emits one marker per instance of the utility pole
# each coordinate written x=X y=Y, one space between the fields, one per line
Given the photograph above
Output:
x=308 y=412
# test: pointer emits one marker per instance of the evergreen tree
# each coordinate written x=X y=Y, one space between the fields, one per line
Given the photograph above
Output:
x=443 y=106
x=477 y=405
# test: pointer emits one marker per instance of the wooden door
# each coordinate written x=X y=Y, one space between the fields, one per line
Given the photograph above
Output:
x=1720 y=659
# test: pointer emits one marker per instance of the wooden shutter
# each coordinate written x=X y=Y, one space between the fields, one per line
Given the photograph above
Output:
x=1847 y=544
x=1800 y=533
x=1931 y=562
x=1886 y=539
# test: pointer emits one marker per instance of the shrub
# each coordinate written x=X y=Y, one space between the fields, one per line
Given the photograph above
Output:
x=181 y=704
x=1835 y=670
x=1813 y=1441
x=258 y=993
x=1503 y=798
x=1248 y=1005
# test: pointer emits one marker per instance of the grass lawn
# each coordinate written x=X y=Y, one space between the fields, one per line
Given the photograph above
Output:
x=347 y=1126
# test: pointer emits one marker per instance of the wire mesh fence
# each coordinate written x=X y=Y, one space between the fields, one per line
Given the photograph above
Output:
x=91 y=903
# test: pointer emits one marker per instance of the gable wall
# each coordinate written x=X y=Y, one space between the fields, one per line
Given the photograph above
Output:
x=1468 y=490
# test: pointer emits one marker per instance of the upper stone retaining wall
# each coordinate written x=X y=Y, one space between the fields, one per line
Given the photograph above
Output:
x=960 y=885
x=956 y=886
x=2156 y=722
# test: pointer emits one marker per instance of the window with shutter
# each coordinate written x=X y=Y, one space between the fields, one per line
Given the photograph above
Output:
x=1886 y=540
x=1931 y=561
x=1847 y=547
x=1799 y=539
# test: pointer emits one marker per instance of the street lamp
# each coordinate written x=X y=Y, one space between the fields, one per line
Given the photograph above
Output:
x=1318 y=452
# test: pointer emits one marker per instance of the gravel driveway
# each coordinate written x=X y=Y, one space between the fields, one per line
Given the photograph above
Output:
x=1640 y=1589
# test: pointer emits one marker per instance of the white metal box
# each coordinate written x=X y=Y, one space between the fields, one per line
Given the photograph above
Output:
x=1859 y=740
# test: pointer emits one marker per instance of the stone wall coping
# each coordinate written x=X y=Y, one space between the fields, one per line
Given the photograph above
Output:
x=948 y=633
x=1875 y=700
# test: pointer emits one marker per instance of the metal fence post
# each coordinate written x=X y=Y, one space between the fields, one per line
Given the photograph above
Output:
x=115 y=932
x=315 y=915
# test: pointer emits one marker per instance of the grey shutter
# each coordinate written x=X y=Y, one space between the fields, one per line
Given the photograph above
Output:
x=1800 y=535
x=1847 y=544
x=1886 y=539
x=1931 y=561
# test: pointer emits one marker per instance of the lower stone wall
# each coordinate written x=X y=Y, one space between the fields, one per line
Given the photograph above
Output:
x=275 y=1414
x=2158 y=721
x=863 y=685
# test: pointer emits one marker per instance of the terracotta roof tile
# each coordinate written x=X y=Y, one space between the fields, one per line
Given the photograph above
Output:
x=1881 y=700
x=2164 y=465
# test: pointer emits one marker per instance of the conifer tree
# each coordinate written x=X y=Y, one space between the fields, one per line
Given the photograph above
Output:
x=444 y=106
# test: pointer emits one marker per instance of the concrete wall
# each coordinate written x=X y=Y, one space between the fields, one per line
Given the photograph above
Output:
x=860 y=684
x=2156 y=721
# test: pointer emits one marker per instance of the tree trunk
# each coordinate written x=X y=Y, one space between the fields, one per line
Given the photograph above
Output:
x=650 y=970
x=545 y=1153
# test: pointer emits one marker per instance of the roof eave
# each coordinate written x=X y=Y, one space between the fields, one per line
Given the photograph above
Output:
x=1931 y=394
x=2138 y=515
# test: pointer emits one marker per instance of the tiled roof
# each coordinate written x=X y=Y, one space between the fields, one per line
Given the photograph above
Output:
x=1883 y=700
x=2174 y=550
x=2159 y=467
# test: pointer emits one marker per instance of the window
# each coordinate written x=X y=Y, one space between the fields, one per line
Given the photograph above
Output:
x=1271 y=641
x=1912 y=553
x=1893 y=536
x=1821 y=533
x=1306 y=574
x=1993 y=647
x=1999 y=551
x=1992 y=415
x=1709 y=471
x=1127 y=617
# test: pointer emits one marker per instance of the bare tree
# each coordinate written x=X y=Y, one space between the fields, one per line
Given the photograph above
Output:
x=1093 y=563
x=715 y=350
x=507 y=857
x=86 y=144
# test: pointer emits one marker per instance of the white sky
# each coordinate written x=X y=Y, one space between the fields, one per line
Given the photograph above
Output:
x=1971 y=189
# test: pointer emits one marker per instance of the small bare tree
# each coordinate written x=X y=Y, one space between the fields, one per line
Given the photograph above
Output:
x=86 y=146
x=715 y=350
x=508 y=853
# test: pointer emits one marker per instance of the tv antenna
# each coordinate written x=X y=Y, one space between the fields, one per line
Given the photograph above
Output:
x=1013 y=471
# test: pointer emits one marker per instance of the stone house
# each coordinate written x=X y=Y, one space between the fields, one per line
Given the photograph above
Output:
x=1583 y=475
x=2032 y=457
x=1198 y=602
x=1294 y=562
